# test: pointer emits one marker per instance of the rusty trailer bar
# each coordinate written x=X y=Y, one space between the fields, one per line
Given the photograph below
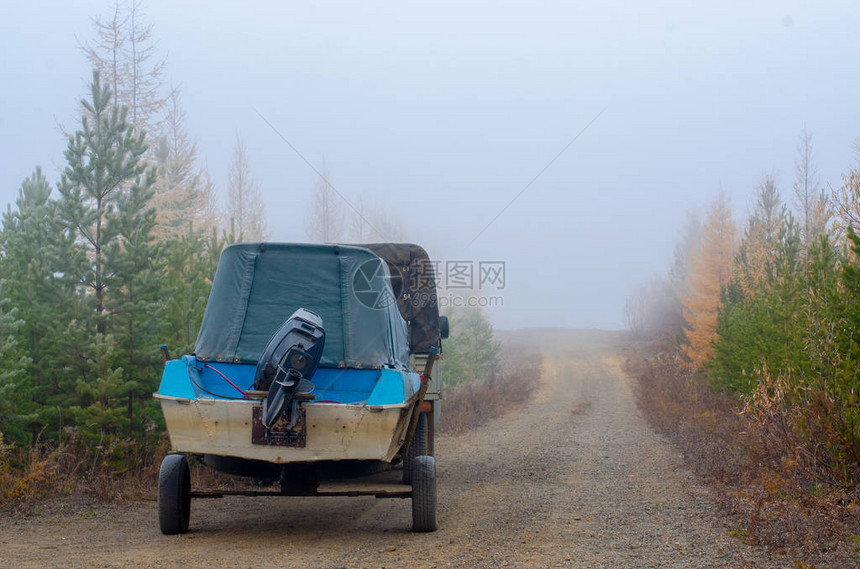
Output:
x=331 y=489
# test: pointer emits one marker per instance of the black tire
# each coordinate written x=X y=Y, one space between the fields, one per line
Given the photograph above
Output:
x=424 y=494
x=417 y=447
x=174 y=495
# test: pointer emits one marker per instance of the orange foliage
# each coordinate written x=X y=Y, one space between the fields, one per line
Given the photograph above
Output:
x=712 y=269
x=846 y=201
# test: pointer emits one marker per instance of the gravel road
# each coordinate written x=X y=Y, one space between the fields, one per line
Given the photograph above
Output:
x=574 y=479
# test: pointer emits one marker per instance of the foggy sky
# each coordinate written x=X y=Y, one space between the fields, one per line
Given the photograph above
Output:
x=444 y=111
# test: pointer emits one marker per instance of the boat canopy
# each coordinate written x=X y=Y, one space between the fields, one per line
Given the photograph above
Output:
x=258 y=286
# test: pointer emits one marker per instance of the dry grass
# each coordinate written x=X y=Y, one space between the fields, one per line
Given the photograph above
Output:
x=770 y=499
x=43 y=474
x=39 y=477
x=473 y=403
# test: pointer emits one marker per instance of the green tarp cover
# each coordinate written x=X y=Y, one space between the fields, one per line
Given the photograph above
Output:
x=258 y=286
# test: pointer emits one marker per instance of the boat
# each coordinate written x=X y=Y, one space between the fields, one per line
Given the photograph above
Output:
x=315 y=365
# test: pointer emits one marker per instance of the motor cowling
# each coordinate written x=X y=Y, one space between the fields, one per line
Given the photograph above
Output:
x=289 y=362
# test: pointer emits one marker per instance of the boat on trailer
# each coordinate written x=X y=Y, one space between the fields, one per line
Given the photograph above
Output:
x=315 y=365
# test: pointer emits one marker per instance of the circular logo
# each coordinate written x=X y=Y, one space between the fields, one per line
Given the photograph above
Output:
x=374 y=286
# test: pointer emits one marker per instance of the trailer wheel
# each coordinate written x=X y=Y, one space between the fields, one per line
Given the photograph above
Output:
x=424 y=494
x=417 y=447
x=174 y=495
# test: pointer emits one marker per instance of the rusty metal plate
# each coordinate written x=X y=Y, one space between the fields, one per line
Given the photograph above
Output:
x=279 y=434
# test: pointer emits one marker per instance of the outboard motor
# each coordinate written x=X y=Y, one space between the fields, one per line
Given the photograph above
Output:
x=288 y=363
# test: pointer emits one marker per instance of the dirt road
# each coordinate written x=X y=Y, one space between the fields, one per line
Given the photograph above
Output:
x=575 y=479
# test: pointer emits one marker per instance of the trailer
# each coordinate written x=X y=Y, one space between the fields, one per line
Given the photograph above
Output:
x=316 y=366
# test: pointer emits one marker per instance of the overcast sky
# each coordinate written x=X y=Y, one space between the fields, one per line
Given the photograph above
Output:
x=444 y=111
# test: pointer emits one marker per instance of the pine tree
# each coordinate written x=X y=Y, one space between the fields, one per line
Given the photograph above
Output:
x=810 y=201
x=325 y=222
x=841 y=301
x=96 y=392
x=828 y=391
x=712 y=270
x=741 y=329
x=831 y=309
x=761 y=237
x=102 y=156
x=183 y=192
x=16 y=405
x=745 y=336
x=33 y=248
x=846 y=200
x=786 y=288
x=471 y=353
x=125 y=54
x=35 y=252
x=244 y=203
x=135 y=262
x=191 y=263
x=763 y=327
x=104 y=202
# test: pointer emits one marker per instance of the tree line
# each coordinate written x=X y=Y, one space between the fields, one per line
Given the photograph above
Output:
x=115 y=259
x=90 y=290
x=771 y=313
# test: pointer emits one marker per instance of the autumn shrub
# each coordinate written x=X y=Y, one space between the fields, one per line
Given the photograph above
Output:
x=701 y=421
x=808 y=426
x=29 y=474
x=47 y=471
x=776 y=482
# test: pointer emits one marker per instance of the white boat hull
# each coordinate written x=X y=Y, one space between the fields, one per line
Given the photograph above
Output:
x=333 y=431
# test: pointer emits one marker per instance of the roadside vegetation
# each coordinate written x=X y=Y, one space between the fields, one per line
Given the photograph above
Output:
x=748 y=356
x=481 y=380
x=102 y=266
x=91 y=284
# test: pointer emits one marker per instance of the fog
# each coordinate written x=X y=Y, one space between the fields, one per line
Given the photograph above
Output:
x=444 y=112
